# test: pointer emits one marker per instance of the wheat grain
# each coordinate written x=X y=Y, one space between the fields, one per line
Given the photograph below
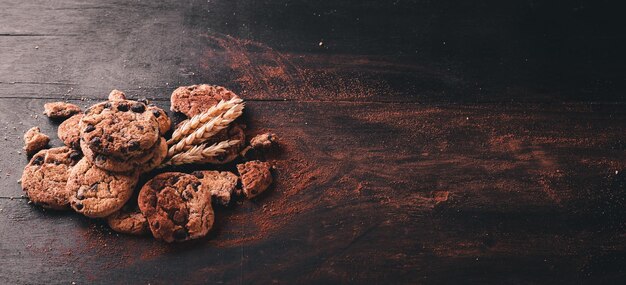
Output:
x=196 y=121
x=206 y=131
x=200 y=153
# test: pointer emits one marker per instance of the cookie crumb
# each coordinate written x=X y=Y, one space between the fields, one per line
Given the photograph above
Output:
x=265 y=140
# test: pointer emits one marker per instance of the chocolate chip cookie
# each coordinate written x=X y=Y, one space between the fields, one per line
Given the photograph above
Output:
x=45 y=176
x=150 y=160
x=116 y=95
x=195 y=99
x=122 y=128
x=34 y=141
x=128 y=221
x=162 y=118
x=221 y=184
x=60 y=110
x=177 y=207
x=97 y=193
x=255 y=177
x=69 y=132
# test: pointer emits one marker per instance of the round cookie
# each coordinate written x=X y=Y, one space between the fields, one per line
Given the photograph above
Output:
x=195 y=99
x=149 y=161
x=162 y=118
x=97 y=193
x=121 y=128
x=69 y=132
x=45 y=176
x=177 y=206
x=128 y=221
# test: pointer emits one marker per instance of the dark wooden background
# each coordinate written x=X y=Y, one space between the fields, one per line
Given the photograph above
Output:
x=422 y=141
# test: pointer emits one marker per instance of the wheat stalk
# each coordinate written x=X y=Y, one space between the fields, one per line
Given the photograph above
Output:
x=196 y=121
x=200 y=153
x=207 y=130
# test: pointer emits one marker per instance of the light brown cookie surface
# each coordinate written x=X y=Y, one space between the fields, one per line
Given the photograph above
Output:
x=177 y=207
x=60 y=110
x=122 y=128
x=128 y=221
x=162 y=118
x=45 y=177
x=221 y=184
x=69 y=132
x=97 y=193
x=35 y=141
x=195 y=99
x=255 y=177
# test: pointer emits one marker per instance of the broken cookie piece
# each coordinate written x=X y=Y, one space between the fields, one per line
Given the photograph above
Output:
x=117 y=95
x=35 y=141
x=221 y=184
x=265 y=140
x=60 y=110
x=255 y=177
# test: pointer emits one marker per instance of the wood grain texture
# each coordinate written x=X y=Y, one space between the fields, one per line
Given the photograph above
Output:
x=421 y=142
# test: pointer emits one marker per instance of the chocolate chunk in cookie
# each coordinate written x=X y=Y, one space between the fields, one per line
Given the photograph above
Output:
x=112 y=128
x=161 y=116
x=221 y=184
x=60 y=110
x=262 y=141
x=195 y=99
x=69 y=132
x=45 y=177
x=97 y=193
x=35 y=141
x=177 y=206
x=255 y=177
x=128 y=221
x=116 y=95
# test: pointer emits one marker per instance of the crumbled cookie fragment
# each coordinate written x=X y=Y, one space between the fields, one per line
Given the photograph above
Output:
x=128 y=221
x=177 y=206
x=45 y=177
x=195 y=99
x=221 y=184
x=60 y=110
x=35 y=141
x=255 y=177
x=116 y=95
x=69 y=132
x=265 y=140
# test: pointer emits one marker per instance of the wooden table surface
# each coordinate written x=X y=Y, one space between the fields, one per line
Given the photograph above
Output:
x=421 y=141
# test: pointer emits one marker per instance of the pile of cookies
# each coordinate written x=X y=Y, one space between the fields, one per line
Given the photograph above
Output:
x=113 y=144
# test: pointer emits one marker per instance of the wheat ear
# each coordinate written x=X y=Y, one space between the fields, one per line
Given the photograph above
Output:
x=200 y=153
x=198 y=120
x=207 y=130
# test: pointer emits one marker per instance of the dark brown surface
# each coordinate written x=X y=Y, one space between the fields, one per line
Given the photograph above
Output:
x=403 y=159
